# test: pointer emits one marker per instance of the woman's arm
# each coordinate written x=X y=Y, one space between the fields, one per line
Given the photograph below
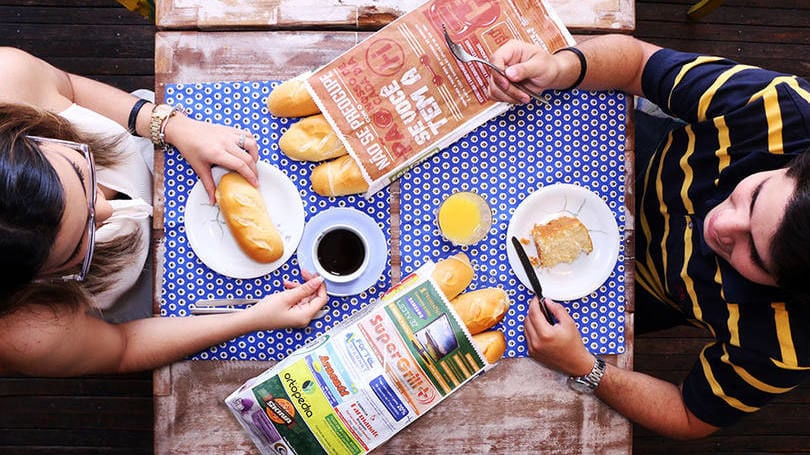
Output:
x=613 y=62
x=27 y=79
x=648 y=401
x=42 y=340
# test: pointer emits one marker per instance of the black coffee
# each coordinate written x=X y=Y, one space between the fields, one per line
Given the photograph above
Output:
x=341 y=252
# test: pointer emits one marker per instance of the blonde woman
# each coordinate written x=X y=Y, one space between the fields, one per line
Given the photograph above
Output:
x=75 y=186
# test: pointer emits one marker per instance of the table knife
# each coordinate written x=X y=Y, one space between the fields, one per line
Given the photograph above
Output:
x=532 y=275
x=216 y=306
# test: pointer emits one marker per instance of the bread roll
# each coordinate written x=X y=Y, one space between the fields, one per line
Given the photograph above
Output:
x=245 y=213
x=338 y=178
x=311 y=139
x=291 y=99
x=492 y=344
x=561 y=240
x=481 y=309
x=453 y=275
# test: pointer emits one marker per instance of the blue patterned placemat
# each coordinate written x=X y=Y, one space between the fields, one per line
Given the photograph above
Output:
x=186 y=279
x=580 y=139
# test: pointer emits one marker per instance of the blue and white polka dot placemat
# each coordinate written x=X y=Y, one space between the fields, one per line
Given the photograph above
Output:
x=186 y=279
x=580 y=139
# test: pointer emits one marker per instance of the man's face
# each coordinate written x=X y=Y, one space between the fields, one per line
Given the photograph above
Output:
x=740 y=228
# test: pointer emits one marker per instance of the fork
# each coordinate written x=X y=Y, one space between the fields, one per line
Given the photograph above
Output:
x=465 y=57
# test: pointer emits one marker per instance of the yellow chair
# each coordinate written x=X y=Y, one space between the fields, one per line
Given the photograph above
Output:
x=145 y=8
x=702 y=8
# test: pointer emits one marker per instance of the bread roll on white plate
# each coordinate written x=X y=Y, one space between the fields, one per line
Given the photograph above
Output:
x=246 y=215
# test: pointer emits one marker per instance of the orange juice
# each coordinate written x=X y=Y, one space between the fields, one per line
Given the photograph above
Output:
x=464 y=218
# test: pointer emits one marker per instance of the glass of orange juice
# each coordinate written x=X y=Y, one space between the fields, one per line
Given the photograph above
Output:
x=464 y=218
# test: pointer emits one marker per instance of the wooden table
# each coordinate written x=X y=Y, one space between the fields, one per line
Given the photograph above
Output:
x=585 y=16
x=518 y=407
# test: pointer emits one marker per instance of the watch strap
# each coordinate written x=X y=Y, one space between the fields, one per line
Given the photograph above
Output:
x=590 y=381
x=161 y=114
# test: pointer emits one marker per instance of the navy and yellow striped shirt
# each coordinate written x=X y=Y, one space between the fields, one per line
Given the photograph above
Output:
x=740 y=120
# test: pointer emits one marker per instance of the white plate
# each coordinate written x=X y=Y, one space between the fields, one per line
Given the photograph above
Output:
x=567 y=281
x=213 y=242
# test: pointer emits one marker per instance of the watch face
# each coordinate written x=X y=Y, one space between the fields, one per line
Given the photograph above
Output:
x=580 y=386
x=162 y=109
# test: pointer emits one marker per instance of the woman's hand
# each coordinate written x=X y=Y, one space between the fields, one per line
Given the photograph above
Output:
x=526 y=63
x=207 y=144
x=295 y=306
x=557 y=346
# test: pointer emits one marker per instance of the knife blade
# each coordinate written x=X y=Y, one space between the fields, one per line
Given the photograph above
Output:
x=528 y=268
x=215 y=306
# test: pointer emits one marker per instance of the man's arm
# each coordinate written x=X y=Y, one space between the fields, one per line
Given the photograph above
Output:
x=650 y=402
x=613 y=62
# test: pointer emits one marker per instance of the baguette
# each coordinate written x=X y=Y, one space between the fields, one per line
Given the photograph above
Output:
x=453 y=275
x=338 y=177
x=311 y=139
x=492 y=344
x=291 y=99
x=481 y=309
x=246 y=215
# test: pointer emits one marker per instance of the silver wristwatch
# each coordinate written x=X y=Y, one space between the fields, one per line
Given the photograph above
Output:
x=589 y=382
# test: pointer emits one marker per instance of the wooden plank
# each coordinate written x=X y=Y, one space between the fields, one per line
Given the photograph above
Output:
x=484 y=416
x=106 y=66
x=112 y=15
x=129 y=385
x=671 y=14
x=731 y=4
x=74 y=437
x=83 y=3
x=579 y=16
x=123 y=41
x=280 y=14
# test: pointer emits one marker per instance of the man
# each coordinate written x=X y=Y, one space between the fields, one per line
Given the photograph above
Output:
x=722 y=227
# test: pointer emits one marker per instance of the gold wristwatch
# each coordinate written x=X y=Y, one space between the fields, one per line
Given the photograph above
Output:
x=161 y=114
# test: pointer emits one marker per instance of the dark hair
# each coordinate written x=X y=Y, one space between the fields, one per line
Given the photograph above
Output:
x=31 y=199
x=32 y=203
x=790 y=247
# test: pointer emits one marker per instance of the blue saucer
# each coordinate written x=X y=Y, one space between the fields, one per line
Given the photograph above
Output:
x=377 y=246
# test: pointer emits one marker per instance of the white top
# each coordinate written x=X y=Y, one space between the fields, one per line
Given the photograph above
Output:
x=132 y=176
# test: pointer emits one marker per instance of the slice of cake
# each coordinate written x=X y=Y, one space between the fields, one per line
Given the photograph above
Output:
x=561 y=240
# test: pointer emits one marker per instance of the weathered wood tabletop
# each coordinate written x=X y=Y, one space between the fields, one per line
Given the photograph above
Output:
x=518 y=407
x=578 y=15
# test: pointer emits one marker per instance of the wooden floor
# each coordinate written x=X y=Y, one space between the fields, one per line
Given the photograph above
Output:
x=113 y=415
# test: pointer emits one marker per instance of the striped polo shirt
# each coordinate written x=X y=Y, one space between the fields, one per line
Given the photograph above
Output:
x=739 y=120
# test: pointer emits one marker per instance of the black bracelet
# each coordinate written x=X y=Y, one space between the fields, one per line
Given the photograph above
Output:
x=583 y=65
x=133 y=116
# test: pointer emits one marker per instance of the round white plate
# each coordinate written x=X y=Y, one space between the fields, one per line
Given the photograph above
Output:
x=567 y=281
x=213 y=242
x=377 y=247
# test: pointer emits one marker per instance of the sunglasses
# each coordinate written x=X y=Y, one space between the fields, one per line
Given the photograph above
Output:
x=90 y=192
